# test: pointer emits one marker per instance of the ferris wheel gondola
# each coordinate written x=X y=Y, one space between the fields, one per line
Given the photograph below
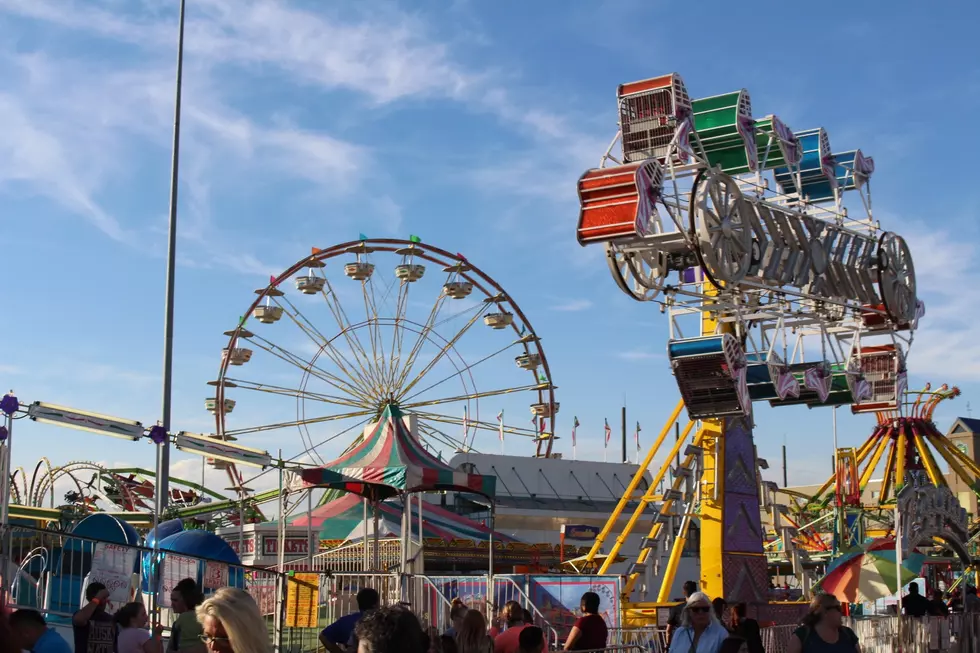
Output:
x=354 y=339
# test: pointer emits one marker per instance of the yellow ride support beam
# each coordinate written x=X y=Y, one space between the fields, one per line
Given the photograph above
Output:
x=932 y=469
x=963 y=458
x=872 y=465
x=886 y=482
x=631 y=488
x=673 y=562
x=901 y=445
x=665 y=507
x=712 y=509
x=647 y=499
x=861 y=455
x=949 y=454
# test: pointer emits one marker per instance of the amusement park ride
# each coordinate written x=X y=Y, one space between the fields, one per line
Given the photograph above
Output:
x=779 y=286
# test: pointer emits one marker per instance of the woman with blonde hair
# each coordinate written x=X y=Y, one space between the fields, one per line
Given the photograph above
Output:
x=700 y=630
x=822 y=629
x=472 y=636
x=232 y=623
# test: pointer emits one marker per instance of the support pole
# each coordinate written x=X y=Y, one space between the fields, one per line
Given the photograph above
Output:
x=785 y=475
x=311 y=549
x=420 y=556
x=364 y=539
x=625 y=458
x=6 y=463
x=377 y=541
x=163 y=449
x=490 y=592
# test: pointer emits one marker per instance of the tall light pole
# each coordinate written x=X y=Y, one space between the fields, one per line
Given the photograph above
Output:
x=163 y=449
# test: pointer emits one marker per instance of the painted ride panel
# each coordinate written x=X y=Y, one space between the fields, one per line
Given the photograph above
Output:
x=651 y=112
x=618 y=202
x=853 y=169
x=817 y=172
x=724 y=131
x=711 y=375
x=776 y=143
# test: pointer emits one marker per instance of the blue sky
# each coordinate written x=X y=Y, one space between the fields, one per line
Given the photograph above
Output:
x=466 y=123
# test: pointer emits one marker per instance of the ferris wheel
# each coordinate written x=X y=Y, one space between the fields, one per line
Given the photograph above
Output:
x=353 y=328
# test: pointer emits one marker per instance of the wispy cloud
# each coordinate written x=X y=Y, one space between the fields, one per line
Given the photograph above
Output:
x=638 y=355
x=573 y=305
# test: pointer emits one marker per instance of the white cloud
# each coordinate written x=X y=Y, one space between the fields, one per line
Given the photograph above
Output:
x=573 y=305
x=638 y=355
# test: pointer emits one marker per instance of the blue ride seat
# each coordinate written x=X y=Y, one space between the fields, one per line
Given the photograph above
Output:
x=711 y=375
x=853 y=169
x=817 y=169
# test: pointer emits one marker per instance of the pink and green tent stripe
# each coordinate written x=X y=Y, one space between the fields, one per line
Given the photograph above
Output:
x=389 y=461
x=343 y=519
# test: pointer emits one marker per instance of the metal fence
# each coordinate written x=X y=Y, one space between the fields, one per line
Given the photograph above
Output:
x=49 y=570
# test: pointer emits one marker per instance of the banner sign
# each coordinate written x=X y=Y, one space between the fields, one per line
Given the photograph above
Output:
x=113 y=565
x=215 y=575
x=302 y=600
x=85 y=421
x=213 y=447
x=175 y=569
x=292 y=546
x=580 y=532
x=559 y=599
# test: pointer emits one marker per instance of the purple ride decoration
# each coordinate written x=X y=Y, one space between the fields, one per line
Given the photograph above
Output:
x=158 y=434
x=9 y=404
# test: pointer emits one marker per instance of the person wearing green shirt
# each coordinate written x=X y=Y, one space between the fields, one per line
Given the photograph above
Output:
x=185 y=634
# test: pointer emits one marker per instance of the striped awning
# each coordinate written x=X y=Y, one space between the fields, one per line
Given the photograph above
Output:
x=390 y=460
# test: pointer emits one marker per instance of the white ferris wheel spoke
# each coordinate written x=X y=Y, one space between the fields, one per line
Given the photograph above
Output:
x=477 y=395
x=307 y=366
x=442 y=436
x=344 y=324
x=442 y=352
x=323 y=343
x=477 y=424
x=312 y=420
x=430 y=323
x=459 y=372
x=303 y=394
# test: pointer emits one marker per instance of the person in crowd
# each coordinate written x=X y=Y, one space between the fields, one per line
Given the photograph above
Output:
x=972 y=602
x=589 y=631
x=822 y=630
x=133 y=636
x=232 y=623
x=747 y=628
x=718 y=606
x=472 y=636
x=9 y=642
x=531 y=640
x=528 y=617
x=185 y=634
x=677 y=611
x=508 y=640
x=341 y=632
x=937 y=607
x=390 y=629
x=914 y=604
x=456 y=614
x=29 y=632
x=92 y=625
x=700 y=631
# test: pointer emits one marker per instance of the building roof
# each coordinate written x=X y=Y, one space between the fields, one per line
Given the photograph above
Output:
x=970 y=424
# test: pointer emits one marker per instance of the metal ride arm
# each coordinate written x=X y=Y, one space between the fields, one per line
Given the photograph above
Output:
x=648 y=497
x=657 y=527
x=631 y=488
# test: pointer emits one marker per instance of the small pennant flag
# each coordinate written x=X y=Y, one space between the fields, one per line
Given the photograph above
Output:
x=500 y=423
x=542 y=378
x=541 y=426
x=466 y=424
x=574 y=427
x=316 y=250
x=415 y=239
x=362 y=237
x=637 y=435
x=608 y=432
x=241 y=320
x=272 y=280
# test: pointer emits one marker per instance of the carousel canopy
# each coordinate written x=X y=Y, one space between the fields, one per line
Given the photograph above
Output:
x=343 y=519
x=390 y=460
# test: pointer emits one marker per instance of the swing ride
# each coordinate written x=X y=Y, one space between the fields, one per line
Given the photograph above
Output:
x=760 y=245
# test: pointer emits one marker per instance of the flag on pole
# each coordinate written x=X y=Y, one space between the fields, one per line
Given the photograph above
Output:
x=637 y=443
x=466 y=425
x=500 y=423
x=574 y=428
x=608 y=432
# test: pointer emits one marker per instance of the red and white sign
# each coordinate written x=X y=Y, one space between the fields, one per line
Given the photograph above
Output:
x=175 y=569
x=249 y=545
x=113 y=566
x=215 y=575
x=293 y=546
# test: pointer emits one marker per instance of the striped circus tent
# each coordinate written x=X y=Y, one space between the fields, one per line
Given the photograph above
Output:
x=390 y=461
x=343 y=519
